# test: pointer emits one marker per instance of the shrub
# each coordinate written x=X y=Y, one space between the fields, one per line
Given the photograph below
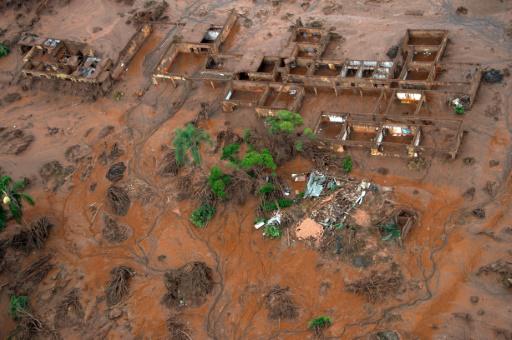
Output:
x=4 y=50
x=188 y=140
x=308 y=132
x=284 y=203
x=12 y=200
x=347 y=164
x=218 y=182
x=319 y=323
x=272 y=231
x=266 y=188
x=247 y=135
x=202 y=215
x=299 y=146
x=284 y=121
x=391 y=231
x=17 y=304
x=459 y=110
x=230 y=152
x=253 y=159
x=269 y=206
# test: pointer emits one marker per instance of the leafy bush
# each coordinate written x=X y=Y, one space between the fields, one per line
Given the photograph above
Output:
x=299 y=146
x=247 y=135
x=254 y=159
x=4 y=50
x=319 y=323
x=266 y=188
x=308 y=132
x=218 y=182
x=269 y=206
x=12 y=199
x=284 y=121
x=347 y=164
x=188 y=140
x=202 y=215
x=391 y=231
x=284 y=203
x=17 y=304
x=230 y=152
x=459 y=109
x=272 y=231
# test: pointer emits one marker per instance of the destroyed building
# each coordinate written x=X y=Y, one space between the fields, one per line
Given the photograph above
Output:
x=405 y=106
x=76 y=63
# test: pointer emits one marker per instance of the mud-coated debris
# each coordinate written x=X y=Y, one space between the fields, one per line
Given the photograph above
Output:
x=169 y=166
x=12 y=97
x=493 y=163
x=33 y=236
x=115 y=313
x=93 y=186
x=461 y=10
x=480 y=312
x=188 y=285
x=377 y=286
x=177 y=329
x=152 y=12
x=117 y=287
x=280 y=304
x=113 y=231
x=474 y=299
x=14 y=140
x=118 y=200
x=362 y=261
x=502 y=268
x=31 y=276
x=417 y=164
x=393 y=51
x=491 y=188
x=116 y=172
x=470 y=193
x=332 y=8
x=52 y=131
x=69 y=311
x=493 y=76
x=385 y=335
x=77 y=152
x=383 y=171
x=50 y=169
x=469 y=161
x=479 y=212
x=105 y=131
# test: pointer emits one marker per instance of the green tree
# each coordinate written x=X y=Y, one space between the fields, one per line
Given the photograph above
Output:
x=17 y=304
x=319 y=323
x=272 y=231
x=284 y=121
x=188 y=140
x=4 y=50
x=347 y=164
x=230 y=152
x=12 y=200
x=218 y=182
x=202 y=215
x=254 y=159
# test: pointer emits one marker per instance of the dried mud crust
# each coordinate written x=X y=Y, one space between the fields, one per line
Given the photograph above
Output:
x=188 y=285
x=280 y=305
x=14 y=141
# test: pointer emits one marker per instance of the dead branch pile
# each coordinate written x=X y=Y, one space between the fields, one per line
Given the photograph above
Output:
x=291 y=216
x=343 y=242
x=118 y=286
x=280 y=304
x=377 y=286
x=188 y=285
x=119 y=200
x=177 y=329
x=169 y=166
x=116 y=172
x=32 y=275
x=502 y=268
x=183 y=186
x=14 y=141
x=152 y=12
x=33 y=236
x=31 y=327
x=69 y=311
x=226 y=137
x=113 y=231
x=202 y=190
x=241 y=187
x=282 y=147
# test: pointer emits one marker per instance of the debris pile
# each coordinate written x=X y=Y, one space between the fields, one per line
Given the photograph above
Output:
x=119 y=200
x=188 y=285
x=502 y=268
x=280 y=304
x=377 y=286
x=117 y=288
x=14 y=141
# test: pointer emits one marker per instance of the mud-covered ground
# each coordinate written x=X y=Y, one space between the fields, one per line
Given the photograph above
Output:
x=68 y=143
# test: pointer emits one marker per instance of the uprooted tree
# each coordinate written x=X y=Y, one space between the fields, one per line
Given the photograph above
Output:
x=284 y=121
x=188 y=140
x=12 y=200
